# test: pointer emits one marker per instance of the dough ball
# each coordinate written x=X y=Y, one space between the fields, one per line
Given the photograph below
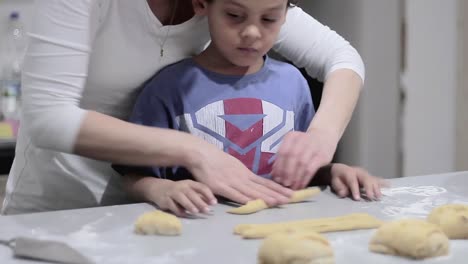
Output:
x=158 y=223
x=295 y=248
x=452 y=219
x=411 y=238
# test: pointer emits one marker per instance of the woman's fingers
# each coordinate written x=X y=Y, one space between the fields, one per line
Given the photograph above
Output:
x=232 y=194
x=277 y=189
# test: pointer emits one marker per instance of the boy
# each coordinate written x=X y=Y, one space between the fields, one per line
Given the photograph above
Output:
x=253 y=103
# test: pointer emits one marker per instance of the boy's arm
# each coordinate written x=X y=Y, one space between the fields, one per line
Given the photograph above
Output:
x=351 y=181
x=178 y=197
x=143 y=188
x=322 y=177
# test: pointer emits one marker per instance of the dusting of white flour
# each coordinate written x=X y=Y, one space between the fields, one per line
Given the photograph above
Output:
x=415 y=201
x=418 y=191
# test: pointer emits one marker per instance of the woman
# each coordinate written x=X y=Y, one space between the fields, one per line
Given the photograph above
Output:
x=84 y=65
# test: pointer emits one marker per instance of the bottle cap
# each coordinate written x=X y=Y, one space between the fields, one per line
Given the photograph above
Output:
x=14 y=15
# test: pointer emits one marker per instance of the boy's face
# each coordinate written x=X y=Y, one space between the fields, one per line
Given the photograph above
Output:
x=243 y=31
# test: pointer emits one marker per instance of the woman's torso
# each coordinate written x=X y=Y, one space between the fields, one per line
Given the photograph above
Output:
x=125 y=53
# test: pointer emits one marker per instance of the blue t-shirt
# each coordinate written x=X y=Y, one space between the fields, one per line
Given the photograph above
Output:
x=245 y=116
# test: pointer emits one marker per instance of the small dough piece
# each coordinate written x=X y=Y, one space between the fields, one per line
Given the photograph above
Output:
x=158 y=223
x=250 y=207
x=321 y=225
x=297 y=248
x=302 y=195
x=452 y=219
x=411 y=238
x=258 y=205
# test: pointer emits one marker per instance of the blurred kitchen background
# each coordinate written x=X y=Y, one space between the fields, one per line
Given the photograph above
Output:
x=412 y=118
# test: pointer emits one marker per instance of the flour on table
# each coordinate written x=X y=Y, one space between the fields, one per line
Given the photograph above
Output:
x=420 y=208
x=407 y=202
x=167 y=258
x=418 y=191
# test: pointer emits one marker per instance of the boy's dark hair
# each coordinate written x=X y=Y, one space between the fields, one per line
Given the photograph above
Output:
x=291 y=3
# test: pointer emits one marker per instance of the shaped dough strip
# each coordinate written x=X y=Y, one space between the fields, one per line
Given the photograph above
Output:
x=321 y=225
x=302 y=195
x=258 y=205
x=250 y=207
x=357 y=217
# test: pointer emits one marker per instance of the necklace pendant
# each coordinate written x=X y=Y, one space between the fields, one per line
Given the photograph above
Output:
x=161 y=52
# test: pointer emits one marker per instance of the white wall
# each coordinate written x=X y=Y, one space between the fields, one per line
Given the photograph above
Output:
x=430 y=82
x=373 y=27
x=462 y=93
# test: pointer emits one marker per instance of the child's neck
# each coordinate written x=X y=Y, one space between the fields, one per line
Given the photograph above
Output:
x=212 y=60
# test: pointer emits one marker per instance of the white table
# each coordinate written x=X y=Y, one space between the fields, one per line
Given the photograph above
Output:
x=106 y=234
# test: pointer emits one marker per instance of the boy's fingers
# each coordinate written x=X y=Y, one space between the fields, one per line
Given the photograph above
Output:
x=197 y=200
x=367 y=182
x=377 y=191
x=340 y=188
x=353 y=185
x=369 y=189
x=185 y=202
x=173 y=207
x=384 y=183
x=205 y=192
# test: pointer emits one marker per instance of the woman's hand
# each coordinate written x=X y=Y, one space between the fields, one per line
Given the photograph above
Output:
x=301 y=155
x=228 y=177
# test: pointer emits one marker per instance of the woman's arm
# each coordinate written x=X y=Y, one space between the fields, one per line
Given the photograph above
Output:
x=329 y=58
x=315 y=47
x=326 y=56
x=55 y=72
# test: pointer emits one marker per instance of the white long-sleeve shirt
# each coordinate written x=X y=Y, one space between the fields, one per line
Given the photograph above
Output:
x=94 y=55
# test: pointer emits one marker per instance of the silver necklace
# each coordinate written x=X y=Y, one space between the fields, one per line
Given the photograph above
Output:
x=161 y=44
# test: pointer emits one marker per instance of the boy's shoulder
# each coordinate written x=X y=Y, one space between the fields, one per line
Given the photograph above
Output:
x=176 y=69
x=170 y=77
x=283 y=67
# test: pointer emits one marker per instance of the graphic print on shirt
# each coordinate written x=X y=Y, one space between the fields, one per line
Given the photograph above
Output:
x=249 y=129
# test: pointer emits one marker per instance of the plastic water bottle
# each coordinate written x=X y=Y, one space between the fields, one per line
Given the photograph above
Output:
x=14 y=45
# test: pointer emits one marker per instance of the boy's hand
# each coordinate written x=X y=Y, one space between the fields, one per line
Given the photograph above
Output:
x=301 y=155
x=346 y=180
x=182 y=196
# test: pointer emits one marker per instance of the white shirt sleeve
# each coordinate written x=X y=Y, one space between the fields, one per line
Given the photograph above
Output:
x=315 y=47
x=55 y=72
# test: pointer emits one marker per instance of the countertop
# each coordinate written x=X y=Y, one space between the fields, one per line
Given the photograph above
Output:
x=106 y=235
